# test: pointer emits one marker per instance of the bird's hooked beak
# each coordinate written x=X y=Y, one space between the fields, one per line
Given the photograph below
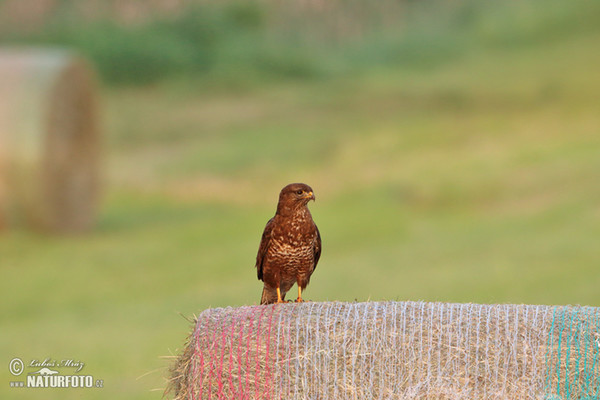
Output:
x=310 y=196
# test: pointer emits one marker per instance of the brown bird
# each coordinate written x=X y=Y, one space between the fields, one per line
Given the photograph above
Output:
x=290 y=246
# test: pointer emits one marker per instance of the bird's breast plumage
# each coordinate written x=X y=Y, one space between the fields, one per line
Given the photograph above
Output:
x=292 y=244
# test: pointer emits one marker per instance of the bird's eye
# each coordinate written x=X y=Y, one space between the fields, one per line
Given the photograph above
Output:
x=299 y=191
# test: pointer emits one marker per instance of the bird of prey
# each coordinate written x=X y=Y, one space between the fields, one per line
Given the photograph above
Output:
x=290 y=246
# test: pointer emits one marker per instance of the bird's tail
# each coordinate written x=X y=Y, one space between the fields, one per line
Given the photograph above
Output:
x=269 y=296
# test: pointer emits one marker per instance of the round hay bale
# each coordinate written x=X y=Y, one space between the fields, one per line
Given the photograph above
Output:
x=391 y=350
x=49 y=140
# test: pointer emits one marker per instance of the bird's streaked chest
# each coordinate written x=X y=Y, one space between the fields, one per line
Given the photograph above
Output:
x=296 y=231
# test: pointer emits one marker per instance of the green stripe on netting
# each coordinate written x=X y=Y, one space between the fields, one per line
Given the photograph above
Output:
x=573 y=354
x=593 y=375
x=569 y=346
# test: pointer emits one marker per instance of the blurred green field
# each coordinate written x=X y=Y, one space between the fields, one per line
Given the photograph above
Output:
x=475 y=180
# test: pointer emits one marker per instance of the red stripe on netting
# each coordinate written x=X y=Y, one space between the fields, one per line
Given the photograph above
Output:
x=221 y=358
x=256 y=391
x=231 y=355
x=198 y=377
x=250 y=326
x=267 y=391
x=239 y=355
x=197 y=359
x=242 y=322
x=212 y=362
x=289 y=354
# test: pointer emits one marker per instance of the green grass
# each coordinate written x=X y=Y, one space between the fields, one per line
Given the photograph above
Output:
x=475 y=181
x=243 y=42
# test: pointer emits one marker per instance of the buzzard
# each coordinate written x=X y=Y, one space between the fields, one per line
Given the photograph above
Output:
x=290 y=246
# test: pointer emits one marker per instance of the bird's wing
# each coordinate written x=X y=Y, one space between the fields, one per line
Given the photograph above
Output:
x=264 y=246
x=317 y=248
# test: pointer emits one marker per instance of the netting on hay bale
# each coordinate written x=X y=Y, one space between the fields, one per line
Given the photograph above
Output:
x=49 y=140
x=385 y=350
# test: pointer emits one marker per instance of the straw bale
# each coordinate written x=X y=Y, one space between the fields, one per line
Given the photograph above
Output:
x=49 y=140
x=391 y=350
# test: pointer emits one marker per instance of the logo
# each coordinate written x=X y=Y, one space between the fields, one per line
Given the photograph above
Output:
x=16 y=366
x=51 y=373
x=45 y=371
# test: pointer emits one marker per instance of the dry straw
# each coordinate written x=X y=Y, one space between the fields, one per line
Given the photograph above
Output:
x=48 y=140
x=391 y=350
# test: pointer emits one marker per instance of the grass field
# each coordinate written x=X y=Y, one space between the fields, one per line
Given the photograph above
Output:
x=475 y=181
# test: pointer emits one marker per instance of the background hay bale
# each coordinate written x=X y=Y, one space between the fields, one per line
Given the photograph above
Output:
x=407 y=350
x=49 y=140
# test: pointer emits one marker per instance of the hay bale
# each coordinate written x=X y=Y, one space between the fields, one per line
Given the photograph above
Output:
x=49 y=140
x=391 y=350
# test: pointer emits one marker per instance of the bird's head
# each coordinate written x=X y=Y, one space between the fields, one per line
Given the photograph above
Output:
x=294 y=196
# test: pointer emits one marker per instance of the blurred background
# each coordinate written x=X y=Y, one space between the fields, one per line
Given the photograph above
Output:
x=453 y=146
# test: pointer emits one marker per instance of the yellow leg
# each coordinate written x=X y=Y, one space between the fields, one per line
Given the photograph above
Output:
x=279 y=300
x=299 y=299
